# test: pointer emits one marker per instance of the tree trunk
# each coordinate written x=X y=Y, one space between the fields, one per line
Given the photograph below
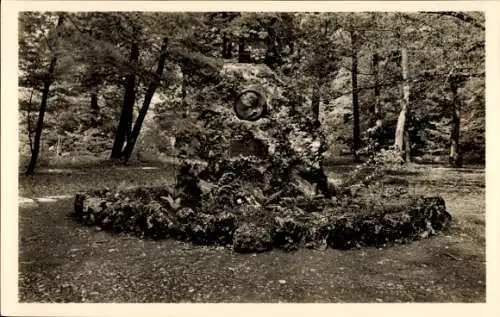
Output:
x=315 y=103
x=125 y=125
x=401 y=140
x=455 y=158
x=291 y=45
x=184 y=88
x=147 y=101
x=377 y=108
x=241 y=47
x=272 y=54
x=30 y=139
x=243 y=56
x=226 y=46
x=93 y=103
x=355 y=102
x=43 y=107
x=59 y=146
x=400 y=126
x=94 y=109
x=407 y=143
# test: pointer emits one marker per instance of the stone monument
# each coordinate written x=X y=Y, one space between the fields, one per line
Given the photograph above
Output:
x=259 y=182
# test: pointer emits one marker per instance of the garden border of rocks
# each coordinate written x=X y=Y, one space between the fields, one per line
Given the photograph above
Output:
x=151 y=213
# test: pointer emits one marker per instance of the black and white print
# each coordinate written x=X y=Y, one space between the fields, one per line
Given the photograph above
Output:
x=251 y=157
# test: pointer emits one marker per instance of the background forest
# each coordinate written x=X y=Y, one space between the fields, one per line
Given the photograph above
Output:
x=120 y=85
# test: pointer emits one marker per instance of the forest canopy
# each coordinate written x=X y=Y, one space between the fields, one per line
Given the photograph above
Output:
x=120 y=84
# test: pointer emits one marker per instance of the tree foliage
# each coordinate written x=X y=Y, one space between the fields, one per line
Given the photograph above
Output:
x=313 y=54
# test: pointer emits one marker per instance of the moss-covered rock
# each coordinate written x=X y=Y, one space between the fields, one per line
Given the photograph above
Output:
x=286 y=224
x=316 y=231
x=250 y=237
x=285 y=143
x=288 y=232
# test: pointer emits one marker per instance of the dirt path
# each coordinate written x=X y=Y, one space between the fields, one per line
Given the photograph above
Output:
x=61 y=261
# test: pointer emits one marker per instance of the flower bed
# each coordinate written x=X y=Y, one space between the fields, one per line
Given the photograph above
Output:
x=344 y=224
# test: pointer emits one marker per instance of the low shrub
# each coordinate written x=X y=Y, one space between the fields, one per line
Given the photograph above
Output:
x=342 y=223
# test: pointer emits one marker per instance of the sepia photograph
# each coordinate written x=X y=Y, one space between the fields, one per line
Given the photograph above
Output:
x=251 y=156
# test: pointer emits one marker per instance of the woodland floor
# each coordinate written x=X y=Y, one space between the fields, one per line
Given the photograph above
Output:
x=63 y=261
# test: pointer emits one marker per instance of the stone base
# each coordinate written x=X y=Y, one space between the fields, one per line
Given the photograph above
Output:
x=150 y=212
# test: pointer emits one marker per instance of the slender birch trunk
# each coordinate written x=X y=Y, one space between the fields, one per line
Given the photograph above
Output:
x=401 y=140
